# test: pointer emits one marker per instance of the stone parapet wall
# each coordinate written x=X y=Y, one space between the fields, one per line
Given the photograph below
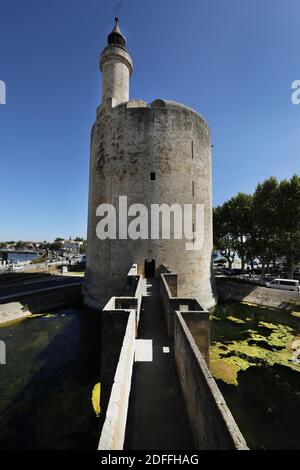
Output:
x=113 y=430
x=197 y=317
x=212 y=423
x=241 y=292
x=120 y=319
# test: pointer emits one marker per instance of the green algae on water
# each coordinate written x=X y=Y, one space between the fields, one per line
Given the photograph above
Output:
x=268 y=345
x=235 y=320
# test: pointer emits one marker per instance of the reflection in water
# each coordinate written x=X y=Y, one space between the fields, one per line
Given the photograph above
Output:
x=96 y=398
x=46 y=388
x=254 y=359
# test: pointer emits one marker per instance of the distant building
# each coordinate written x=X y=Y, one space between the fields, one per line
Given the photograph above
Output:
x=72 y=246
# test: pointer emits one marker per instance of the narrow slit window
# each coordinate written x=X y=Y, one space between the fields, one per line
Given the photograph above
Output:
x=192 y=146
x=152 y=176
x=193 y=188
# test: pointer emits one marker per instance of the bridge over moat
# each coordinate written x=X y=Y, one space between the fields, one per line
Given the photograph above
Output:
x=156 y=413
x=157 y=389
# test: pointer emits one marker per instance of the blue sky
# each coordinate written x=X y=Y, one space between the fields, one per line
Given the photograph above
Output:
x=233 y=61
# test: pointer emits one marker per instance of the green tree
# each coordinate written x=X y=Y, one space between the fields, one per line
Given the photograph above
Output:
x=265 y=222
x=288 y=222
x=82 y=249
x=239 y=213
x=20 y=245
x=57 y=245
x=222 y=238
x=232 y=226
x=264 y=226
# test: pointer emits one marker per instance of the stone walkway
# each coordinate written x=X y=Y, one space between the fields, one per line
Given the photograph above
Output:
x=156 y=417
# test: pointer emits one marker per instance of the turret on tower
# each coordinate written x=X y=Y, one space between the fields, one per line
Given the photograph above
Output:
x=116 y=68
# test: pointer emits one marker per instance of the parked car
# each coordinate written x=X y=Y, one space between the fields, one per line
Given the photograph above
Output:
x=15 y=267
x=226 y=271
x=237 y=272
x=284 y=284
x=57 y=259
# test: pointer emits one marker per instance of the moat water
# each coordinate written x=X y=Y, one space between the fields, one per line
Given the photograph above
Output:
x=53 y=368
x=46 y=387
x=255 y=360
x=21 y=257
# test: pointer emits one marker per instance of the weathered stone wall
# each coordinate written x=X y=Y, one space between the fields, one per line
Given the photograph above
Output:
x=53 y=300
x=196 y=318
x=129 y=142
x=274 y=298
x=13 y=311
x=212 y=424
x=42 y=302
x=119 y=325
x=118 y=340
x=198 y=324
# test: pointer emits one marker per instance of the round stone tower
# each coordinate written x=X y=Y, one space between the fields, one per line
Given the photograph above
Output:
x=156 y=155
